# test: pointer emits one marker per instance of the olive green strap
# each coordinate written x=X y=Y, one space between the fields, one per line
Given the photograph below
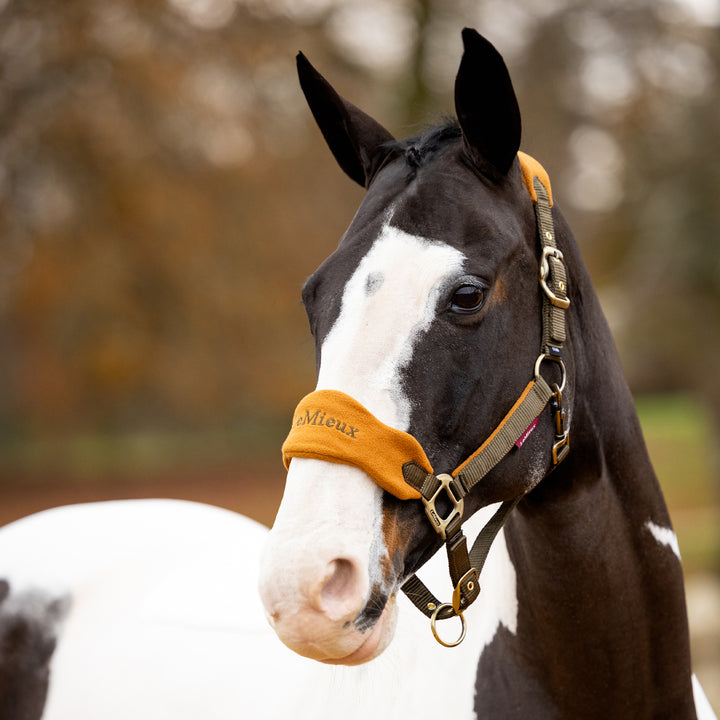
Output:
x=467 y=585
x=507 y=434
x=465 y=567
x=553 y=276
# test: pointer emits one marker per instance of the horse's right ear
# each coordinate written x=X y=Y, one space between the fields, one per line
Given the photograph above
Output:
x=357 y=141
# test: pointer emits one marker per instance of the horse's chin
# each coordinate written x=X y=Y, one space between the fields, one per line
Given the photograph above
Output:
x=374 y=643
x=349 y=646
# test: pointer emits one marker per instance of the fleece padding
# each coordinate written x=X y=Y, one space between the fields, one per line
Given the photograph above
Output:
x=531 y=168
x=330 y=425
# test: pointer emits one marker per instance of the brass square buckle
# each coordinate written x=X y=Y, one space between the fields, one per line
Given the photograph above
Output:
x=449 y=488
x=547 y=253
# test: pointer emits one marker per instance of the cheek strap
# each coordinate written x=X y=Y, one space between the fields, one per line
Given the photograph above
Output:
x=330 y=425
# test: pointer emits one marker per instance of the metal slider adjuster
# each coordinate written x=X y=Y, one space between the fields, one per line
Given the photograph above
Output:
x=448 y=485
x=547 y=252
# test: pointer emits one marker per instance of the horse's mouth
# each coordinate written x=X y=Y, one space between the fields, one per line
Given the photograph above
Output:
x=374 y=644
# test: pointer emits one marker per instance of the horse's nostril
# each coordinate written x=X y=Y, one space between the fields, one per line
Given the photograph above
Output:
x=339 y=594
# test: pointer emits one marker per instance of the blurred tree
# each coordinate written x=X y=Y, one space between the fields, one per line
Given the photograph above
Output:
x=163 y=192
x=156 y=213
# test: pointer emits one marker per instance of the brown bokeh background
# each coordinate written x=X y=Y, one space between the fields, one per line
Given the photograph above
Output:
x=164 y=194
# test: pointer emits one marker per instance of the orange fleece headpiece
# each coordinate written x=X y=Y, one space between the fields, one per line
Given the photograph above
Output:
x=330 y=425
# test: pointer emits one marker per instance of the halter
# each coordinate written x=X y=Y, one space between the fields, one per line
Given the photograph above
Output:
x=330 y=425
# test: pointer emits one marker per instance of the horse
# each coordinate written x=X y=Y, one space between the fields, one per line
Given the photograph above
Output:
x=427 y=324
x=456 y=328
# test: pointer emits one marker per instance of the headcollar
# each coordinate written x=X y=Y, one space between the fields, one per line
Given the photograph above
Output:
x=330 y=425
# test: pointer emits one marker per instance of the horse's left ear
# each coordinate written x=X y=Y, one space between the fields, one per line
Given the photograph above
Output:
x=357 y=141
x=486 y=106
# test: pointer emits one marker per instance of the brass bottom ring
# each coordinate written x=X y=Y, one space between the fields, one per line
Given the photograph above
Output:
x=433 y=626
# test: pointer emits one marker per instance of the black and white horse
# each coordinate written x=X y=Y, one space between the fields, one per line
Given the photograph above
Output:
x=429 y=318
x=429 y=315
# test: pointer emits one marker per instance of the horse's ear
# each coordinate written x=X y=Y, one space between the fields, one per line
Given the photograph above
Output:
x=357 y=141
x=486 y=105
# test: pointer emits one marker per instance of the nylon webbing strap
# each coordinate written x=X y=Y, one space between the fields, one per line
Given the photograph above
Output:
x=418 y=593
x=553 y=276
x=530 y=404
x=465 y=567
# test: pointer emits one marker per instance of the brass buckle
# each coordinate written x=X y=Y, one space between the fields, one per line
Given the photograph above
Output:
x=561 y=448
x=441 y=524
x=563 y=303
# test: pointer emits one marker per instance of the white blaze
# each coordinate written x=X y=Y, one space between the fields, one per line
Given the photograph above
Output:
x=388 y=302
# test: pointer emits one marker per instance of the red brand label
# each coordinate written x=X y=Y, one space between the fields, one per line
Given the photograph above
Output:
x=526 y=434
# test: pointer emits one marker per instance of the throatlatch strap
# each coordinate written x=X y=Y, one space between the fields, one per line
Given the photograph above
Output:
x=421 y=597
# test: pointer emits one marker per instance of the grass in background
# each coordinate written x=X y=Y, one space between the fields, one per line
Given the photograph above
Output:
x=681 y=438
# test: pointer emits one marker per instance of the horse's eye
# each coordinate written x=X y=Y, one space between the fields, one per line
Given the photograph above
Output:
x=467 y=299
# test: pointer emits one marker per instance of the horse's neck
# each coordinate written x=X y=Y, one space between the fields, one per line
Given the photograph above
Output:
x=600 y=591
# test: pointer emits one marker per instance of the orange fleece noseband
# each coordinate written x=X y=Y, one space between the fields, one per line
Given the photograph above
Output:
x=330 y=425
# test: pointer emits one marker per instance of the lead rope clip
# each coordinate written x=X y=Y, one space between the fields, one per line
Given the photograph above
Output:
x=561 y=446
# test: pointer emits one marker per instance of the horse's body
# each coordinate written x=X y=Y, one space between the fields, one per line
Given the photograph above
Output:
x=147 y=609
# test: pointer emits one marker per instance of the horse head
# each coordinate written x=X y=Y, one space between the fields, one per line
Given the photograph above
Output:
x=428 y=315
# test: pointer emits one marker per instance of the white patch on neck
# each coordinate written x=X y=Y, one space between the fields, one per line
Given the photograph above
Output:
x=390 y=299
x=665 y=536
x=702 y=705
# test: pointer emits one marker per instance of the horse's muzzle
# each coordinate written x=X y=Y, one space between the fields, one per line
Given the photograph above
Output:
x=319 y=565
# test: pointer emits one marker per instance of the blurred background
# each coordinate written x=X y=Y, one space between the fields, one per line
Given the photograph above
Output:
x=164 y=194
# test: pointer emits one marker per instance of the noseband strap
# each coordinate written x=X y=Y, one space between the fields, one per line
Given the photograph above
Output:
x=330 y=425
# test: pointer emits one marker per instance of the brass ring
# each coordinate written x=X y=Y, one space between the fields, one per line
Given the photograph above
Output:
x=433 y=621
x=551 y=358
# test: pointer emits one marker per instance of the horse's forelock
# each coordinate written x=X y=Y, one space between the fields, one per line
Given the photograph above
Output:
x=419 y=149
